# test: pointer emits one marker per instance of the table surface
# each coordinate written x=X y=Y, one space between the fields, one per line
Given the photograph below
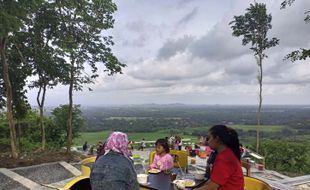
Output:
x=162 y=181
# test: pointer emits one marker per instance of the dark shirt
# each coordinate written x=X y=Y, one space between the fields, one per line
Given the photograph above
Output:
x=210 y=162
x=113 y=171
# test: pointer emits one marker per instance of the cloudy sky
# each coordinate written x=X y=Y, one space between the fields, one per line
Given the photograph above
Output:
x=182 y=51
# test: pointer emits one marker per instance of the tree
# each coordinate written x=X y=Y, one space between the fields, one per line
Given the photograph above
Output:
x=285 y=156
x=47 y=65
x=13 y=14
x=57 y=133
x=254 y=26
x=302 y=53
x=81 y=41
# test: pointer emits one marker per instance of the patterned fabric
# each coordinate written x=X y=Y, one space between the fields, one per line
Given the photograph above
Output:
x=117 y=142
x=162 y=162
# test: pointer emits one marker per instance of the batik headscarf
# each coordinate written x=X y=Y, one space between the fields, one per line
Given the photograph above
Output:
x=117 y=142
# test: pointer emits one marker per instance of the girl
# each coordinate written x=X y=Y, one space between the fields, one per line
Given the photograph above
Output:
x=163 y=160
x=226 y=172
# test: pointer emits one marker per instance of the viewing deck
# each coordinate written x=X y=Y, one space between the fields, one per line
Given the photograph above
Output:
x=54 y=175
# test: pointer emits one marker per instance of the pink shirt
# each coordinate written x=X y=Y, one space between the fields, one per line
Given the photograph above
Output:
x=162 y=162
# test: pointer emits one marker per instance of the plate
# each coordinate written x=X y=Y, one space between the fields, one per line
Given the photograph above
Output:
x=154 y=171
x=184 y=182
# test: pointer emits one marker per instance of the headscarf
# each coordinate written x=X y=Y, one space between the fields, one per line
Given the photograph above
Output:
x=117 y=142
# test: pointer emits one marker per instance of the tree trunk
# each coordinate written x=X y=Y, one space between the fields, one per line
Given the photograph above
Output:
x=260 y=80
x=19 y=128
x=69 y=121
x=41 y=107
x=9 y=97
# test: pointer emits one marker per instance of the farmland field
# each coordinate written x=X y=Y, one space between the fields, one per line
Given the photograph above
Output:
x=95 y=137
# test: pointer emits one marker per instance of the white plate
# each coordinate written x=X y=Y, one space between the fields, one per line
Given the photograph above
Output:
x=183 y=181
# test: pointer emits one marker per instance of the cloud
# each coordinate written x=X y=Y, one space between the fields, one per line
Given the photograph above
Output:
x=175 y=52
x=188 y=17
x=218 y=44
x=171 y=47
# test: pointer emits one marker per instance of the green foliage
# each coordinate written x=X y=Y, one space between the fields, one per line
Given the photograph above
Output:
x=284 y=156
x=30 y=137
x=56 y=131
x=301 y=54
x=79 y=38
x=254 y=26
x=13 y=13
x=286 y=3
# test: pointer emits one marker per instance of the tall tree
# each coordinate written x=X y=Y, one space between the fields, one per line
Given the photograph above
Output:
x=13 y=14
x=302 y=53
x=47 y=65
x=254 y=26
x=81 y=41
x=18 y=72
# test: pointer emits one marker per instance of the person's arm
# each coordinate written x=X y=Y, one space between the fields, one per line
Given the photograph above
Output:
x=210 y=185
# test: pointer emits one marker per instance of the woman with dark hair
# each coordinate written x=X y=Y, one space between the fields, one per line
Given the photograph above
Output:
x=226 y=172
x=162 y=160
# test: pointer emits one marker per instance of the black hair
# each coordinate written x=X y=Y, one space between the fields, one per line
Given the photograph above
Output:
x=228 y=136
x=163 y=143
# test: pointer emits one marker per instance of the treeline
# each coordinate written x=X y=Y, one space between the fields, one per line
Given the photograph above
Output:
x=52 y=43
x=28 y=129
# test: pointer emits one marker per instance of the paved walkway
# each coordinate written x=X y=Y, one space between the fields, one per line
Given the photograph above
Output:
x=39 y=177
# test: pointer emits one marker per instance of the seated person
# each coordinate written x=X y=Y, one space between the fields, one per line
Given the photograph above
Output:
x=162 y=160
x=114 y=170
x=226 y=172
x=208 y=150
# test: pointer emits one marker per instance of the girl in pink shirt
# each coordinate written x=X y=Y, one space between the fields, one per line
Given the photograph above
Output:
x=163 y=160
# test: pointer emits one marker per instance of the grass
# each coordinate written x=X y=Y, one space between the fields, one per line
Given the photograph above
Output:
x=264 y=128
x=95 y=137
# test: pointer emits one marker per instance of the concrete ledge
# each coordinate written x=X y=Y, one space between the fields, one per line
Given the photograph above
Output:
x=20 y=179
x=296 y=180
x=71 y=168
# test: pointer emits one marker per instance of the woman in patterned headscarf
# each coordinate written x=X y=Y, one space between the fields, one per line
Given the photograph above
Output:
x=114 y=170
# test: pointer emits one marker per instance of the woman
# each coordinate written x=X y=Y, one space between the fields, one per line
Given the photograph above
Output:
x=114 y=170
x=226 y=172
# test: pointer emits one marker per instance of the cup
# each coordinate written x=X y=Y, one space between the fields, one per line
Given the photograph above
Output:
x=142 y=178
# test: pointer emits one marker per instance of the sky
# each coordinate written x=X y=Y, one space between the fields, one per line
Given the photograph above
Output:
x=183 y=51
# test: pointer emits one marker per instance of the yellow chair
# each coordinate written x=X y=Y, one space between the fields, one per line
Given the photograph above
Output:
x=78 y=183
x=251 y=183
x=180 y=158
x=86 y=165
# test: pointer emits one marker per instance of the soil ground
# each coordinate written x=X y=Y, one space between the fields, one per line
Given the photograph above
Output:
x=37 y=157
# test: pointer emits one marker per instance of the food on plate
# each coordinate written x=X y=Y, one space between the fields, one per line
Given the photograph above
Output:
x=189 y=183
x=154 y=171
x=184 y=183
